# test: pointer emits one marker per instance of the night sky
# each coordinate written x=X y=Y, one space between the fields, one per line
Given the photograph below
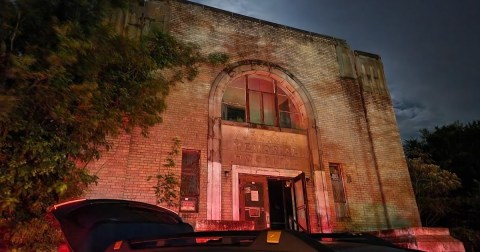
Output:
x=430 y=48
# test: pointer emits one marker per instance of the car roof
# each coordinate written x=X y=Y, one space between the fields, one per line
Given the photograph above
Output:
x=89 y=212
x=91 y=225
x=286 y=240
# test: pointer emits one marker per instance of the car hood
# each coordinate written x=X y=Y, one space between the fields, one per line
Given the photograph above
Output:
x=92 y=225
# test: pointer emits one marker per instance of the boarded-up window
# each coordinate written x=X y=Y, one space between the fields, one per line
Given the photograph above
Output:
x=190 y=185
x=339 y=197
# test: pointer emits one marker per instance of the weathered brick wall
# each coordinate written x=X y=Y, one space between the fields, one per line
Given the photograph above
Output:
x=363 y=140
x=387 y=150
x=111 y=170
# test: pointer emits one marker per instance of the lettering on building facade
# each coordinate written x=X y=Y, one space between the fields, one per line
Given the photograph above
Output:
x=261 y=148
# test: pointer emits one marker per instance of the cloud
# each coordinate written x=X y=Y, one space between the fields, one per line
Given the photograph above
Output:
x=410 y=111
x=411 y=116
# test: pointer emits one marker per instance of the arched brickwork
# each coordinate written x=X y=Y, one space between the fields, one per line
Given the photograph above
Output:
x=302 y=100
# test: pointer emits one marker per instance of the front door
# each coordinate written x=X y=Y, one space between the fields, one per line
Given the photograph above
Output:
x=299 y=192
x=253 y=200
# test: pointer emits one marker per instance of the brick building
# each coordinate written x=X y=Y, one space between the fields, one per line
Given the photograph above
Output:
x=295 y=131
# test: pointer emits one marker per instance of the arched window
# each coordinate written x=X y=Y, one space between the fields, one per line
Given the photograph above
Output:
x=258 y=99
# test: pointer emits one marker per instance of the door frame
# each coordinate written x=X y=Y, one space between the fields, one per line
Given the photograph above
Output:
x=237 y=169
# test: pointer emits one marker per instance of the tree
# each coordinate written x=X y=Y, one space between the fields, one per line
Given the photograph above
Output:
x=435 y=160
x=68 y=82
x=456 y=147
x=432 y=187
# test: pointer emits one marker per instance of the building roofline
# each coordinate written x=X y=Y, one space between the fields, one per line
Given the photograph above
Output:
x=233 y=14
x=371 y=55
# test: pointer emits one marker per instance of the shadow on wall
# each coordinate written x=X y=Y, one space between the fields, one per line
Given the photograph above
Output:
x=373 y=218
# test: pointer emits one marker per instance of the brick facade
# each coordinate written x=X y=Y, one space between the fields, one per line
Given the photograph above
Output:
x=348 y=120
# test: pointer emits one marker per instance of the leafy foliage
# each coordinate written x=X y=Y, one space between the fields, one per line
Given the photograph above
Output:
x=217 y=58
x=37 y=234
x=167 y=186
x=432 y=187
x=456 y=147
x=67 y=81
x=436 y=161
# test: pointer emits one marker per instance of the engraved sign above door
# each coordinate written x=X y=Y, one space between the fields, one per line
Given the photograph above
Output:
x=263 y=148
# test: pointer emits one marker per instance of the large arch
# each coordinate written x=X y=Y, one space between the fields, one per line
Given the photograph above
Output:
x=304 y=102
x=282 y=76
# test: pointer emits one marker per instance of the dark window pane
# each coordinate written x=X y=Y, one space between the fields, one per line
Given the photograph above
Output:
x=290 y=120
x=269 y=109
x=231 y=113
x=255 y=107
x=260 y=83
x=284 y=120
x=189 y=185
x=283 y=103
x=190 y=180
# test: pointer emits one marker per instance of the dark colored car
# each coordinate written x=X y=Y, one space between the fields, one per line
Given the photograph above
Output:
x=266 y=240
x=120 y=225
x=92 y=225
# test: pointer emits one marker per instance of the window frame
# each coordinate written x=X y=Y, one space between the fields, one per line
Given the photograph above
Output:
x=192 y=172
x=262 y=94
x=342 y=211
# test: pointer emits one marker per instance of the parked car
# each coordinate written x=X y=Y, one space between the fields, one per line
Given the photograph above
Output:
x=120 y=225
x=245 y=241
x=92 y=225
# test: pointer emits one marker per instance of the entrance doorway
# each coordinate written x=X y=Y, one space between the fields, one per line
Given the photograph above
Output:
x=274 y=202
x=281 y=203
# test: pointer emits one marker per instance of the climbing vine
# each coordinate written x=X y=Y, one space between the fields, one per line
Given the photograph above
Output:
x=167 y=186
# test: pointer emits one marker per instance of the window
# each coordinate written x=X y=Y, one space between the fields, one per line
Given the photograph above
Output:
x=190 y=180
x=341 y=208
x=259 y=100
x=233 y=103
